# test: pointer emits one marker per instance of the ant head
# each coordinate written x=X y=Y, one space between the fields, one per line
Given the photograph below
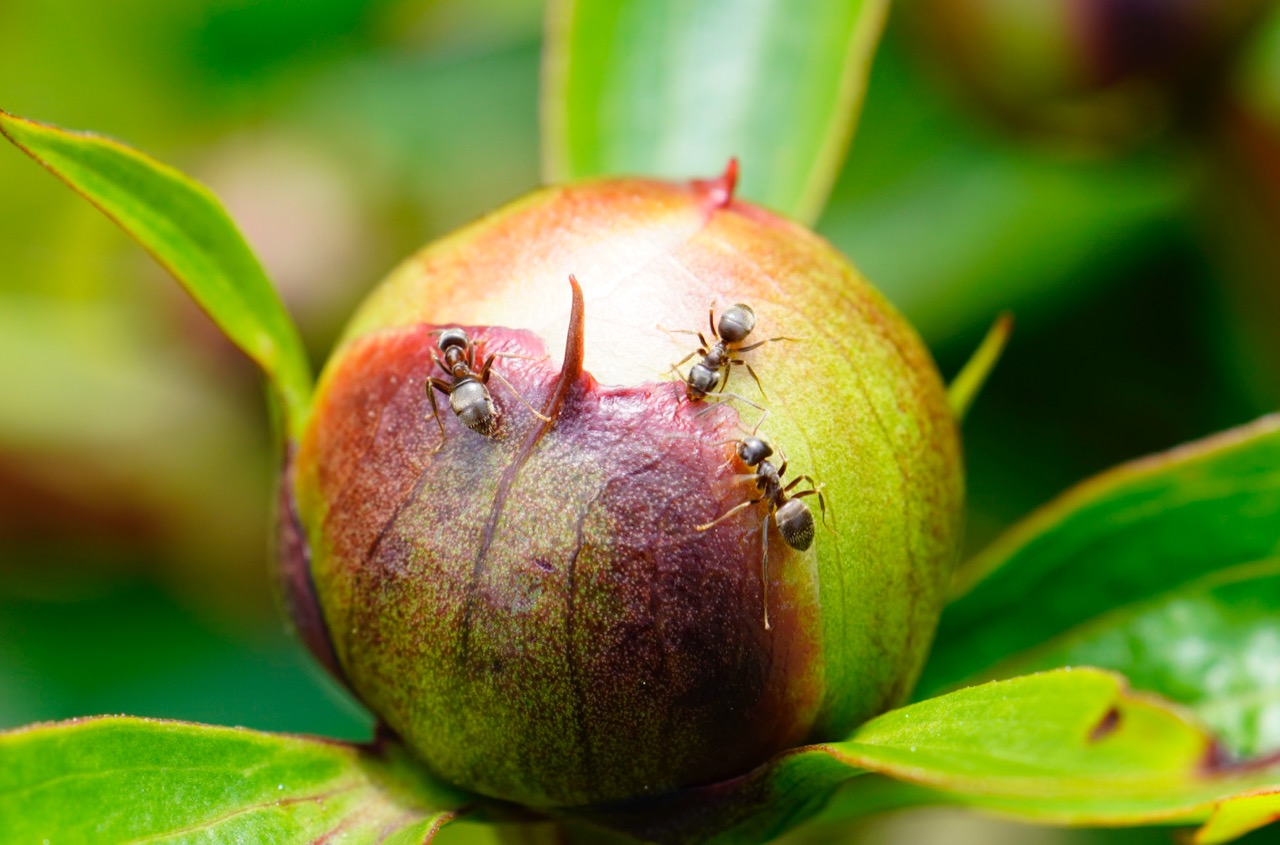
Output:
x=753 y=450
x=736 y=323
x=453 y=337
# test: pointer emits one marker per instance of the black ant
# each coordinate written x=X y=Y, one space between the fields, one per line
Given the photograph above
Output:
x=467 y=391
x=713 y=370
x=792 y=516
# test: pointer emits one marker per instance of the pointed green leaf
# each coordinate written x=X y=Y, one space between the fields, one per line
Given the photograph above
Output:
x=1063 y=747
x=118 y=779
x=1211 y=646
x=1127 y=535
x=1235 y=817
x=675 y=88
x=966 y=385
x=185 y=228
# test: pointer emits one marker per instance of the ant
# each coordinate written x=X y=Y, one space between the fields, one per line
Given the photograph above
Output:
x=468 y=394
x=713 y=370
x=792 y=516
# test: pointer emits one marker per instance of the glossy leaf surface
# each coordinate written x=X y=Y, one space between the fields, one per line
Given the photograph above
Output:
x=1238 y=816
x=675 y=89
x=1211 y=646
x=118 y=779
x=186 y=229
x=1062 y=747
x=1126 y=535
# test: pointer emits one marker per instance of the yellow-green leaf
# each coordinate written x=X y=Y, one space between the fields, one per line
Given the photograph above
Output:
x=1210 y=646
x=119 y=779
x=1064 y=747
x=185 y=228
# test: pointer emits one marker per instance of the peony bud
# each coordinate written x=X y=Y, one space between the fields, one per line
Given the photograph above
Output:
x=570 y=611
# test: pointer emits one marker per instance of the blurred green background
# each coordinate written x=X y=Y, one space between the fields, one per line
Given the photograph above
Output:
x=1120 y=195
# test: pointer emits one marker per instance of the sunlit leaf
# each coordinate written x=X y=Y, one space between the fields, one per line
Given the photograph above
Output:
x=1211 y=646
x=1063 y=747
x=185 y=228
x=118 y=779
x=1126 y=535
x=676 y=88
x=1236 y=817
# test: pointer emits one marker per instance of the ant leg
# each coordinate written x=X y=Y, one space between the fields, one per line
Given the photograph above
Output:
x=822 y=500
x=757 y=380
x=763 y=342
x=782 y=467
x=702 y=350
x=709 y=407
x=750 y=370
x=675 y=368
x=711 y=321
x=730 y=512
x=445 y=388
x=814 y=485
x=488 y=371
x=541 y=357
x=759 y=423
x=764 y=568
x=764 y=412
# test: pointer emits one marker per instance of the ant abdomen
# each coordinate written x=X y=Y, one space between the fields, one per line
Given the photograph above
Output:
x=736 y=323
x=795 y=524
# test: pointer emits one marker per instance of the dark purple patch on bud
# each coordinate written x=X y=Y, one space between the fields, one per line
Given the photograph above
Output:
x=297 y=590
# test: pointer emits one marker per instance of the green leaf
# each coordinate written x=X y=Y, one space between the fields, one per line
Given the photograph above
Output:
x=118 y=779
x=1064 y=747
x=185 y=228
x=969 y=381
x=1234 y=818
x=675 y=88
x=1210 y=646
x=1126 y=535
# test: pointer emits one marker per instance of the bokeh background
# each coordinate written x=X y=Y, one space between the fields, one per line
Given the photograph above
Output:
x=1109 y=170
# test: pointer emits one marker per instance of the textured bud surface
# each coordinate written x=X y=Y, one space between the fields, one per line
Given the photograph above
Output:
x=539 y=614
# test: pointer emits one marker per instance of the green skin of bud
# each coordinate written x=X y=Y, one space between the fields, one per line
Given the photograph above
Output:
x=540 y=615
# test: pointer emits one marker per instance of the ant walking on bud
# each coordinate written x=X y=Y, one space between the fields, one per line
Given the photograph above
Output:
x=729 y=331
x=466 y=387
x=791 y=515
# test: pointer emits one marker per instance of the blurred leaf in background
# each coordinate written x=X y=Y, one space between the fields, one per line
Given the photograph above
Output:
x=135 y=469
